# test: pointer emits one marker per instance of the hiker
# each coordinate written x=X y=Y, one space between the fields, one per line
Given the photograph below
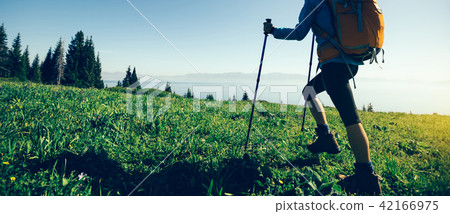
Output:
x=334 y=79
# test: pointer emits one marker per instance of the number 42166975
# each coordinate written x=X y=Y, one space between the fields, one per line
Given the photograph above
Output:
x=409 y=205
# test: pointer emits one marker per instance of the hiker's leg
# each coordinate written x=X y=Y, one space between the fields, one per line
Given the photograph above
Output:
x=314 y=87
x=343 y=100
x=325 y=142
x=317 y=111
x=359 y=143
x=365 y=180
x=336 y=81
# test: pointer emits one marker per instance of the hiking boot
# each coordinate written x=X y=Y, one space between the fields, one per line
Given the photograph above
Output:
x=361 y=184
x=324 y=143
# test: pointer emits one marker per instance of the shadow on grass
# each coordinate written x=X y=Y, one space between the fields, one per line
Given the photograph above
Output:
x=105 y=174
x=231 y=176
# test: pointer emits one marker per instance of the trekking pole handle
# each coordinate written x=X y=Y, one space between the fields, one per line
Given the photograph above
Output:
x=269 y=20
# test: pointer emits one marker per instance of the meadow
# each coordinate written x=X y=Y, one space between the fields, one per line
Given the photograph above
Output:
x=57 y=140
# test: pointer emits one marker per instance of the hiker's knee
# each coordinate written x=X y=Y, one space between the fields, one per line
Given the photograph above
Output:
x=342 y=98
x=309 y=93
x=351 y=120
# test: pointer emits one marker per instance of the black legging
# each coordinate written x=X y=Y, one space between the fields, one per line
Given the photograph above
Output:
x=334 y=79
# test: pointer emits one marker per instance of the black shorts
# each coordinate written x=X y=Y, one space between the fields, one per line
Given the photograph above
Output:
x=334 y=79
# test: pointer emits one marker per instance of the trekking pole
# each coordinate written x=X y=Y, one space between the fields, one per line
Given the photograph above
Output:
x=309 y=78
x=256 y=89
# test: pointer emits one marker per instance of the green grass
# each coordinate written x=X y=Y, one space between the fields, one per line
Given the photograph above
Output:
x=49 y=135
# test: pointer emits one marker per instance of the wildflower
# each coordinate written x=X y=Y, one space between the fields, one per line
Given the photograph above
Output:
x=6 y=163
x=13 y=178
x=26 y=124
x=82 y=175
x=280 y=181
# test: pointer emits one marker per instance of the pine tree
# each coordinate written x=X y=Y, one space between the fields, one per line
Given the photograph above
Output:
x=90 y=60
x=134 y=78
x=25 y=68
x=35 y=72
x=189 y=94
x=52 y=69
x=83 y=67
x=58 y=63
x=364 y=108
x=15 y=57
x=98 y=82
x=30 y=71
x=370 y=107
x=47 y=68
x=210 y=97
x=74 y=60
x=245 y=96
x=127 y=80
x=168 y=87
x=86 y=73
x=4 y=71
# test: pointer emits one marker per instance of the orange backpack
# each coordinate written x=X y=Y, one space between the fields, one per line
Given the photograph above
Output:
x=359 y=26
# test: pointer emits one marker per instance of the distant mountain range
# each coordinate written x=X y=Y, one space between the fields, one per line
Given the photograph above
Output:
x=212 y=77
x=237 y=77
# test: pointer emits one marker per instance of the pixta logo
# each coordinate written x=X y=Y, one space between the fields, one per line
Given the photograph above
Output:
x=143 y=93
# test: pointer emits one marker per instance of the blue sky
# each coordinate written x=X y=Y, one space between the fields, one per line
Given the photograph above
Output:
x=222 y=36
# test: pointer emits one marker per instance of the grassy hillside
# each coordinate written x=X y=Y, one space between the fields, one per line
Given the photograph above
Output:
x=70 y=141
